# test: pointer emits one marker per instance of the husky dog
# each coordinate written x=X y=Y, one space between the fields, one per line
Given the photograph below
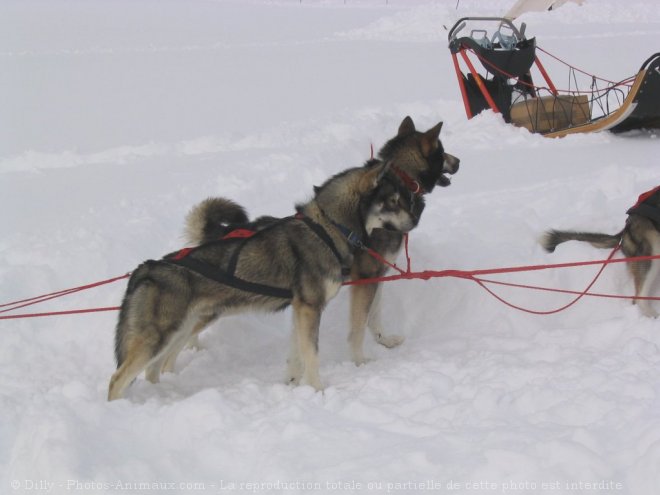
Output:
x=639 y=237
x=417 y=161
x=299 y=261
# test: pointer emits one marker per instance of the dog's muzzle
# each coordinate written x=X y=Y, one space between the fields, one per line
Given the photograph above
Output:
x=449 y=166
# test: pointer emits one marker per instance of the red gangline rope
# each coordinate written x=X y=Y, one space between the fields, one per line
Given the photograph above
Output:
x=60 y=313
x=13 y=306
x=473 y=275
x=53 y=295
x=408 y=274
x=556 y=310
x=428 y=274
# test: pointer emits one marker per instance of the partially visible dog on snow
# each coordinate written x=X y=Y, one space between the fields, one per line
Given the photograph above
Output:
x=299 y=261
x=640 y=237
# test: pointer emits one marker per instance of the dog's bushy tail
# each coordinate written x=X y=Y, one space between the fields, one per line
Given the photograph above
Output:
x=208 y=221
x=551 y=239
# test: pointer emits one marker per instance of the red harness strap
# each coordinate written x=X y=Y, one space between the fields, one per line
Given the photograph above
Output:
x=234 y=234
x=644 y=196
x=645 y=209
x=182 y=253
x=239 y=234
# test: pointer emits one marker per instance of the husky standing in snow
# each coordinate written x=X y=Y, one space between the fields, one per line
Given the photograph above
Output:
x=299 y=261
x=418 y=162
x=640 y=237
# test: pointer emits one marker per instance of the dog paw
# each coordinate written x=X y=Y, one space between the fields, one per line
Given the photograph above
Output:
x=294 y=371
x=152 y=373
x=361 y=361
x=647 y=309
x=194 y=344
x=389 y=341
x=312 y=380
x=316 y=385
x=649 y=312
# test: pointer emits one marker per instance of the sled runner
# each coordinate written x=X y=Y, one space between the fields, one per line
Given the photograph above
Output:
x=508 y=87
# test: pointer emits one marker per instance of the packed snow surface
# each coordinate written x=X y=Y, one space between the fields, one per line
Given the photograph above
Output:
x=119 y=116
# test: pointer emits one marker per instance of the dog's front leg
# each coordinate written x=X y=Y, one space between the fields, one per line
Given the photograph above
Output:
x=365 y=310
x=375 y=324
x=306 y=321
x=646 y=280
x=362 y=297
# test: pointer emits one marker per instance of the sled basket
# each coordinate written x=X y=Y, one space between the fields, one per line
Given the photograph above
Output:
x=505 y=84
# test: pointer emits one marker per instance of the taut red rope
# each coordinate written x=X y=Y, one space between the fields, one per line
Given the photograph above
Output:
x=13 y=306
x=474 y=275
x=408 y=274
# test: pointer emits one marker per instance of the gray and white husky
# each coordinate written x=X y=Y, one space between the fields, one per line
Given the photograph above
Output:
x=299 y=261
x=418 y=162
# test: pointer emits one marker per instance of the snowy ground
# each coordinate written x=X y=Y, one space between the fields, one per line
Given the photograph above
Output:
x=119 y=116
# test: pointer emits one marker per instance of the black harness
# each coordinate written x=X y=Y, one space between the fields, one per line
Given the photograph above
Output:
x=228 y=276
x=646 y=210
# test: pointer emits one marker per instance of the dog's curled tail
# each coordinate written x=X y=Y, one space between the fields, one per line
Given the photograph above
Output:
x=208 y=221
x=551 y=239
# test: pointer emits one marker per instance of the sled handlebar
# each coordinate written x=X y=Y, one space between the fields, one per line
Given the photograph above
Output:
x=462 y=22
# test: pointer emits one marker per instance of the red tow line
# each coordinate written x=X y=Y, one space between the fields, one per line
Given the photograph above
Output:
x=407 y=274
x=475 y=276
x=13 y=306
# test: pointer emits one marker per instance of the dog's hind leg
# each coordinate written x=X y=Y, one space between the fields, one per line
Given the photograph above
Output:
x=177 y=336
x=150 y=321
x=193 y=342
x=646 y=278
x=138 y=354
x=169 y=360
x=166 y=365
x=307 y=319
x=168 y=355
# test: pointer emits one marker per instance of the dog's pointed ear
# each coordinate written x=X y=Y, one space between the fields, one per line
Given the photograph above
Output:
x=407 y=127
x=430 y=138
x=372 y=177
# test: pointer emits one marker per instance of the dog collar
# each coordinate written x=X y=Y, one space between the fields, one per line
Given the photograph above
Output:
x=414 y=186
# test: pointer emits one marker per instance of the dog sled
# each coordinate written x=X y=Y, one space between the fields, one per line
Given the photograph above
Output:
x=509 y=83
